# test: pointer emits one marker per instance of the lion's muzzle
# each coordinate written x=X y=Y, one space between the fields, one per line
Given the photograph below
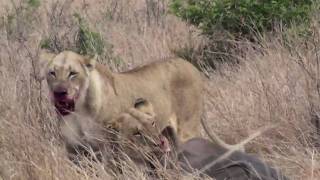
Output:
x=63 y=102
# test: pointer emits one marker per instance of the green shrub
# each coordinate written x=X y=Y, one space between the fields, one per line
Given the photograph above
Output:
x=45 y=43
x=242 y=17
x=88 y=41
x=231 y=25
x=78 y=36
x=34 y=3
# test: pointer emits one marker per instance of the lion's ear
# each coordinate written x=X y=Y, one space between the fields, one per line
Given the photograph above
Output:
x=44 y=59
x=90 y=62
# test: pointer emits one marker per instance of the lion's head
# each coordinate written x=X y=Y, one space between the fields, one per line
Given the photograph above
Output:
x=67 y=77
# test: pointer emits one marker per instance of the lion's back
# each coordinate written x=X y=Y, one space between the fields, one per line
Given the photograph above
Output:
x=174 y=87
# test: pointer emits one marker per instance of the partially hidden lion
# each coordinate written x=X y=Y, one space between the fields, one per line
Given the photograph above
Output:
x=88 y=96
x=141 y=140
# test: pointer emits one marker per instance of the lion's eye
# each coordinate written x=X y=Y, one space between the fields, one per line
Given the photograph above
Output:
x=72 y=74
x=52 y=73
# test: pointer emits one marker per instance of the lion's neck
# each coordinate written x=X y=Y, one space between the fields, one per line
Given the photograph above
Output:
x=101 y=95
x=94 y=96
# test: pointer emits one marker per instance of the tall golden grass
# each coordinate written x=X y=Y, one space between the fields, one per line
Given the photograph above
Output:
x=276 y=82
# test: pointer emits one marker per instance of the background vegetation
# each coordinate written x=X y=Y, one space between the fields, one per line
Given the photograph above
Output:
x=275 y=79
x=225 y=21
x=242 y=17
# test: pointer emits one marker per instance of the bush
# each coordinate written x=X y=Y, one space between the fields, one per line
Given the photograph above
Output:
x=231 y=24
x=242 y=17
x=34 y=3
x=88 y=41
x=83 y=39
x=71 y=31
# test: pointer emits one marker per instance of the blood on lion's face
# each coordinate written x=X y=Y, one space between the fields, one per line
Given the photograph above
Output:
x=67 y=77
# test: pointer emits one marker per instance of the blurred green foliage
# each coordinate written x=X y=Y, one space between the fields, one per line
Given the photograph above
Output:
x=85 y=41
x=242 y=17
x=34 y=3
x=88 y=42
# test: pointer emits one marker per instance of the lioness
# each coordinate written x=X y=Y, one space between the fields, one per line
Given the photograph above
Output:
x=83 y=89
x=80 y=85
x=138 y=123
x=141 y=140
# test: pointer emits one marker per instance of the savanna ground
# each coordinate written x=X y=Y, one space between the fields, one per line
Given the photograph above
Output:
x=275 y=83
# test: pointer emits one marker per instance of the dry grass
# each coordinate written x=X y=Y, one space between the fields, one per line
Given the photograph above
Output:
x=274 y=84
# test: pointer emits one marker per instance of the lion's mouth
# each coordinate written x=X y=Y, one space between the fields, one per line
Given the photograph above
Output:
x=64 y=106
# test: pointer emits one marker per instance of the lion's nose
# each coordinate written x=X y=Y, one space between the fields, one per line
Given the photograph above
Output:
x=60 y=93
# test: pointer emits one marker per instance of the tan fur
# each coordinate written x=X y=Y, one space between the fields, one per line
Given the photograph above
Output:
x=137 y=124
x=173 y=87
x=136 y=120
